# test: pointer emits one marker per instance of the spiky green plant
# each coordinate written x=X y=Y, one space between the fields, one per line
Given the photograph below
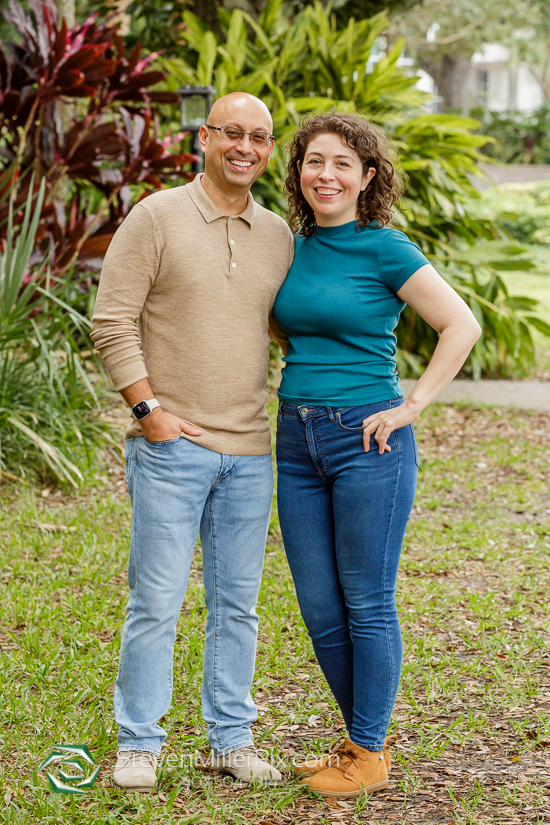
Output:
x=49 y=423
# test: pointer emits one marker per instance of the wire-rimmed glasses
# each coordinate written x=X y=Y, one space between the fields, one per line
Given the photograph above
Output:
x=234 y=135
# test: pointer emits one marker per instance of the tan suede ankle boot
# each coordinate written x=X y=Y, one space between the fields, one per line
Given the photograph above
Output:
x=358 y=771
x=311 y=767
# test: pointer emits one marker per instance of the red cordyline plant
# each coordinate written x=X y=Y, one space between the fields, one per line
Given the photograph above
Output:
x=77 y=111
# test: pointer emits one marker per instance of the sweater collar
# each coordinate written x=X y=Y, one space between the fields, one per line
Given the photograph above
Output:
x=209 y=211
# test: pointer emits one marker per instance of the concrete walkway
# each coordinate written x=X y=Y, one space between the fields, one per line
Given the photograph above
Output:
x=523 y=395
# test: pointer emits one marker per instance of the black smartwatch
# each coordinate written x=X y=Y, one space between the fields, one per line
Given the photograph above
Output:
x=144 y=408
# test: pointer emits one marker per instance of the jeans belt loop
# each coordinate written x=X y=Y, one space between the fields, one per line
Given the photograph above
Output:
x=330 y=414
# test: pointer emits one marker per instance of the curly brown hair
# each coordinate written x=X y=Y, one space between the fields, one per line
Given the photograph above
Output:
x=374 y=150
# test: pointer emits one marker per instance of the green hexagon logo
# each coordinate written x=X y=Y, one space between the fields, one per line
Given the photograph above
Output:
x=73 y=763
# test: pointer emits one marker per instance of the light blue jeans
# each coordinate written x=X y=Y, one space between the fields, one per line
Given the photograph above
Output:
x=177 y=489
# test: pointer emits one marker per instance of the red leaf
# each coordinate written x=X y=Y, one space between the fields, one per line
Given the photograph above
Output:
x=84 y=57
x=142 y=81
x=100 y=70
x=95 y=247
x=60 y=42
x=67 y=81
x=133 y=58
x=153 y=180
x=163 y=97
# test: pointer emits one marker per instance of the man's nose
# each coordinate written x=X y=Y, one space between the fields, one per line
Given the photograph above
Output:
x=244 y=145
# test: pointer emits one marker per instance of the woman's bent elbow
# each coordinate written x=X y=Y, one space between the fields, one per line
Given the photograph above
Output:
x=476 y=331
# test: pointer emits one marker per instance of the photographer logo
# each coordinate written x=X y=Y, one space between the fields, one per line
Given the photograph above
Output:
x=72 y=769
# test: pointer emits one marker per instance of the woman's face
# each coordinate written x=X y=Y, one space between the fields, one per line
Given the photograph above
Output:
x=331 y=177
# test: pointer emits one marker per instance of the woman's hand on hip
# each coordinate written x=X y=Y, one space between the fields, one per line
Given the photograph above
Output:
x=383 y=423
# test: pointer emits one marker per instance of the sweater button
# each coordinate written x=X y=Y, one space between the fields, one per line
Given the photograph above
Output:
x=233 y=265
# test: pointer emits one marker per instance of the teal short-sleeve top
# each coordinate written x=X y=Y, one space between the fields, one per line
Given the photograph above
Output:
x=339 y=307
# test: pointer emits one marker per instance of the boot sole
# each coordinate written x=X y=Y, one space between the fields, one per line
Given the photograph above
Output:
x=140 y=788
x=312 y=773
x=378 y=786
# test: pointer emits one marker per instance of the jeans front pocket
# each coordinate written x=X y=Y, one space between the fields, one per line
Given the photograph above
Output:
x=350 y=416
x=162 y=443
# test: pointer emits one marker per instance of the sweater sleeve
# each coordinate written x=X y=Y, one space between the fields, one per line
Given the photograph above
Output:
x=399 y=258
x=129 y=272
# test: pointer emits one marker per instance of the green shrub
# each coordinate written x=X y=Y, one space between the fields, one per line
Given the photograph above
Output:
x=517 y=137
x=49 y=407
x=522 y=209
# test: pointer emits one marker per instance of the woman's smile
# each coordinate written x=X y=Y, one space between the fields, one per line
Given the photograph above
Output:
x=332 y=178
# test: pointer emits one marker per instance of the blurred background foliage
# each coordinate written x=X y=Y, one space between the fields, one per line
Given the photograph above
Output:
x=77 y=110
x=517 y=137
x=50 y=397
x=314 y=65
x=89 y=124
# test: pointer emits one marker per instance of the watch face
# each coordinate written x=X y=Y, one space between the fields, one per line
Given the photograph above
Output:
x=141 y=410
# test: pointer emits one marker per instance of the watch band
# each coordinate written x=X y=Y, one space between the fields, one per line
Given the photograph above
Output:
x=145 y=408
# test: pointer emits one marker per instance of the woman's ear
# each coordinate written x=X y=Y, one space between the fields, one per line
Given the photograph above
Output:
x=367 y=178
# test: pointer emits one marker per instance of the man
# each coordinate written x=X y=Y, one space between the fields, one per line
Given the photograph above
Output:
x=199 y=266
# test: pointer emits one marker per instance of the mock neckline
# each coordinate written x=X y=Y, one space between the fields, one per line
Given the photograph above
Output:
x=340 y=230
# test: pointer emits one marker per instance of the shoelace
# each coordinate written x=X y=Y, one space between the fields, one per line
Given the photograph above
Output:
x=346 y=756
x=335 y=753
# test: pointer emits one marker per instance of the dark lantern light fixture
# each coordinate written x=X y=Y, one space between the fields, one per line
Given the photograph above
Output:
x=195 y=105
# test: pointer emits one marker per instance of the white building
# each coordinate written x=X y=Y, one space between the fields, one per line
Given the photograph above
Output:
x=495 y=81
x=498 y=82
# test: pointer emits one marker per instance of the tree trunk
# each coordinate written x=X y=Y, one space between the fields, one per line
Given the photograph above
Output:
x=66 y=9
x=450 y=74
x=541 y=73
x=207 y=11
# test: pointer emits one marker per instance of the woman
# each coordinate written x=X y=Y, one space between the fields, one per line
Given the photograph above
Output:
x=346 y=452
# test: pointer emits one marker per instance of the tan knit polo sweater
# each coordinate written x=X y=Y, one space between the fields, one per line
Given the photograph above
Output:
x=201 y=286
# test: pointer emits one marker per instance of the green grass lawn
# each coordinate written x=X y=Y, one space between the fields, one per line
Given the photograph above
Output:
x=471 y=728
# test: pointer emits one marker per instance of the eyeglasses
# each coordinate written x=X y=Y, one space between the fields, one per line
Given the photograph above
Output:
x=234 y=135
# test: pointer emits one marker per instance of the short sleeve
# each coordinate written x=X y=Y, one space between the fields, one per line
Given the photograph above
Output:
x=398 y=259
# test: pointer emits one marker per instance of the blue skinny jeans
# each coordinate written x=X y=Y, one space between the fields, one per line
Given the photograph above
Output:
x=343 y=516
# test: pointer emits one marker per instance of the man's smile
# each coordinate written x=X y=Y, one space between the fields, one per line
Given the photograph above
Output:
x=240 y=164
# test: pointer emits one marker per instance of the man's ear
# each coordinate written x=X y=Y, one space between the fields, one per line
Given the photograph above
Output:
x=203 y=137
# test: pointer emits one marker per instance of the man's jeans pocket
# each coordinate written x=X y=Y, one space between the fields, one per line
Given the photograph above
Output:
x=162 y=443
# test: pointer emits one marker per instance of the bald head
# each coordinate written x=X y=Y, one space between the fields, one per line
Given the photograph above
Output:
x=237 y=105
x=232 y=160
